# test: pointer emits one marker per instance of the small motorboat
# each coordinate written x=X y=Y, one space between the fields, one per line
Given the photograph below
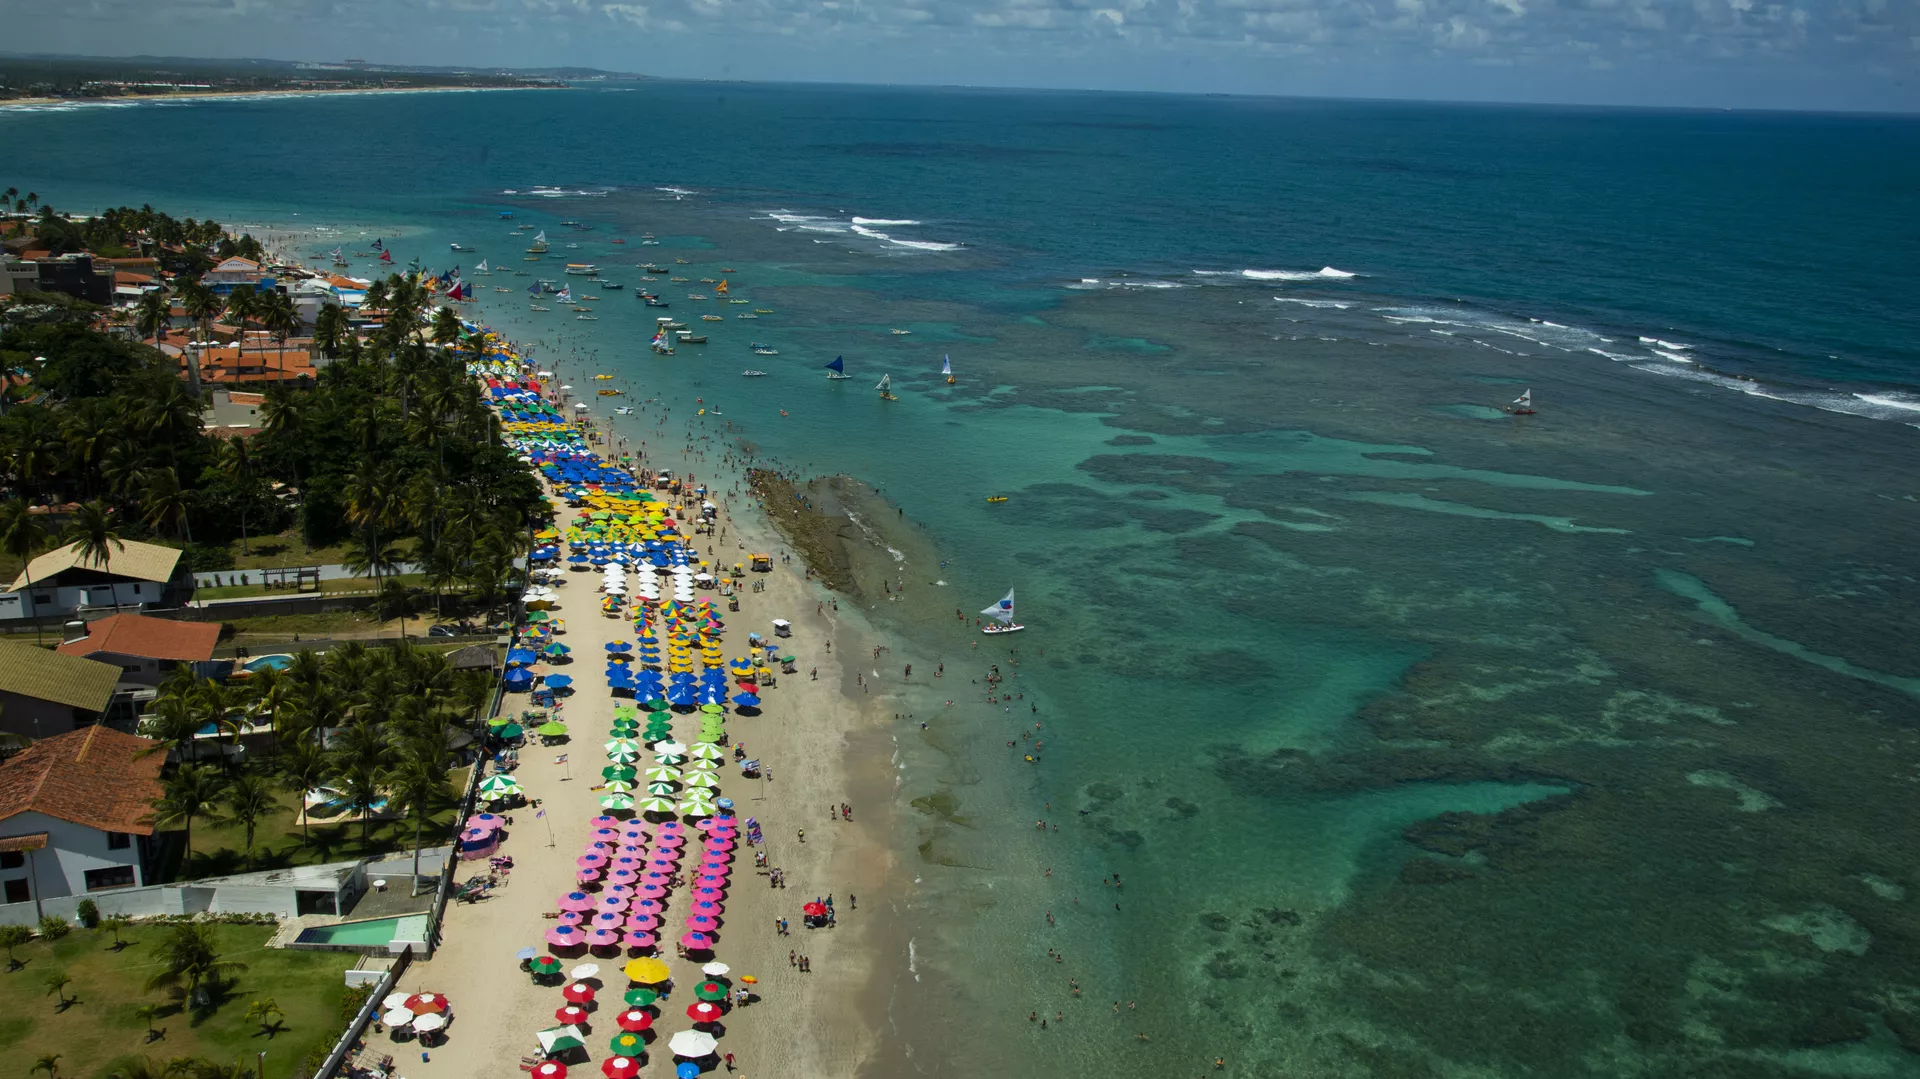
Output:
x=623 y=410
x=587 y=318
x=617 y=240
x=537 y=307
x=712 y=318
x=740 y=301
x=901 y=333
x=996 y=498
x=651 y=268
x=688 y=337
x=763 y=310
x=751 y=373
x=612 y=285
x=612 y=393
x=651 y=302
x=746 y=314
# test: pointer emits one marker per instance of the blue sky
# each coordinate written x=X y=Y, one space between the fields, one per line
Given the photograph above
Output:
x=1815 y=54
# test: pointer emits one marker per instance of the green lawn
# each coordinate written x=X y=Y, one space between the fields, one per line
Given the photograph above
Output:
x=284 y=551
x=102 y=1030
x=220 y=849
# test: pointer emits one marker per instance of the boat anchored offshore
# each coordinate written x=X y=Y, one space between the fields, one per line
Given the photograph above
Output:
x=1002 y=615
x=751 y=373
x=886 y=388
x=1523 y=404
x=837 y=369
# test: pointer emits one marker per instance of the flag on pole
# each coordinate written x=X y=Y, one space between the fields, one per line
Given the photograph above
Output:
x=561 y=759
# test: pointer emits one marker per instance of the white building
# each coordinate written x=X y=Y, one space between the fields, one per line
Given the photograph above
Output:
x=132 y=576
x=75 y=816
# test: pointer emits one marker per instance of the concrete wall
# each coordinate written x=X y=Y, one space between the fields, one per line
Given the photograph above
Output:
x=71 y=851
x=132 y=902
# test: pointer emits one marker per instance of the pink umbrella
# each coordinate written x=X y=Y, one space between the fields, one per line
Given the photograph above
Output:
x=710 y=880
x=633 y=834
x=672 y=827
x=621 y=890
x=622 y=876
x=643 y=923
x=646 y=906
x=591 y=860
x=576 y=901
x=719 y=863
x=674 y=839
x=562 y=936
x=717 y=845
x=571 y=917
x=629 y=861
x=604 y=822
x=652 y=891
x=586 y=876
x=697 y=942
x=485 y=821
x=604 y=835
x=642 y=940
x=603 y=938
x=662 y=865
x=702 y=923
x=708 y=892
x=606 y=919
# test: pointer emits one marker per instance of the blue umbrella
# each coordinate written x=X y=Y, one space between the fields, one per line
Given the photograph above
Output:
x=686 y=1069
x=725 y=803
x=577 y=559
x=713 y=696
x=518 y=678
x=746 y=700
x=559 y=681
x=526 y=953
x=682 y=680
x=680 y=695
x=520 y=657
x=619 y=646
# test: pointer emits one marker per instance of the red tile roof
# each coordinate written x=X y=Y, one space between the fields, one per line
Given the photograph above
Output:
x=154 y=638
x=95 y=776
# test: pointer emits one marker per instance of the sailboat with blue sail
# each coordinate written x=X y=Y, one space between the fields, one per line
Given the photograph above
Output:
x=837 y=369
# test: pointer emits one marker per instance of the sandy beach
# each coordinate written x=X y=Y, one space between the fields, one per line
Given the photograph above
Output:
x=822 y=745
x=235 y=95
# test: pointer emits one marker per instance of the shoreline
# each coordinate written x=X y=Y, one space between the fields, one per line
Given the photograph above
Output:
x=49 y=104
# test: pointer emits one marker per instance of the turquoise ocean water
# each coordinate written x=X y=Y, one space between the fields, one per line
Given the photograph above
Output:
x=1426 y=740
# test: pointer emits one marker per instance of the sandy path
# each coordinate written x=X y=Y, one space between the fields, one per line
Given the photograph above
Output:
x=804 y=1024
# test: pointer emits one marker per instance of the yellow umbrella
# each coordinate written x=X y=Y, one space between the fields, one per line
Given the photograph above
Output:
x=648 y=971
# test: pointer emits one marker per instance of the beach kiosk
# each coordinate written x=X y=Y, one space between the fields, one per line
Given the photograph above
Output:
x=782 y=628
x=762 y=563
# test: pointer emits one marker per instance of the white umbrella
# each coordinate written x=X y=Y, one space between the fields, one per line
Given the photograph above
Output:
x=660 y=773
x=705 y=754
x=701 y=779
x=669 y=749
x=584 y=970
x=429 y=1021
x=547 y=1037
x=398 y=1017
x=715 y=969
x=544 y=374
x=396 y=1000
x=692 y=1043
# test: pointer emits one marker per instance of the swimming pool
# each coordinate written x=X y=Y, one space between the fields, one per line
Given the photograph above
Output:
x=278 y=661
x=372 y=933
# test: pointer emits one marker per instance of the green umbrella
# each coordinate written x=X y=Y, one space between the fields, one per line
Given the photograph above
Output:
x=619 y=745
x=660 y=773
x=538 y=617
x=624 y=757
x=614 y=771
x=499 y=785
x=701 y=780
x=564 y=1042
x=636 y=998
x=701 y=764
x=667 y=759
x=628 y=1044
x=707 y=754
x=553 y=728
x=546 y=964
x=711 y=736
x=655 y=805
x=710 y=990
x=510 y=732
x=499 y=721
x=661 y=790
x=692 y=808
x=616 y=801
x=712 y=709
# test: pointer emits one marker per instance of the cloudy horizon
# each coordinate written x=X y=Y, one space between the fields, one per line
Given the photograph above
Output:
x=1849 y=55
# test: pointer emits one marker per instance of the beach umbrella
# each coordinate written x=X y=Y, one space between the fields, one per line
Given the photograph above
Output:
x=814 y=910
x=641 y=997
x=692 y=1043
x=686 y=1069
x=620 y=1068
x=398 y=1017
x=693 y=807
x=551 y=1069
x=546 y=965
x=749 y=979
x=559 y=681
x=660 y=790
x=715 y=969
x=700 y=779
x=655 y=805
x=523 y=955
x=746 y=700
x=634 y=1020
x=623 y=756
x=570 y=1014
x=616 y=801
x=510 y=732
x=579 y=992
x=556 y=648
x=704 y=1012
x=662 y=773
x=585 y=970
x=565 y=936
x=627 y=1044
x=647 y=971
x=618 y=786
x=620 y=745
x=553 y=728
x=706 y=752
x=614 y=771
x=669 y=749
x=711 y=990
x=591 y=860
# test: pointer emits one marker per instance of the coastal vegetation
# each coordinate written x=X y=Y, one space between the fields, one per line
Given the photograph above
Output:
x=344 y=754
x=103 y=77
x=169 y=1001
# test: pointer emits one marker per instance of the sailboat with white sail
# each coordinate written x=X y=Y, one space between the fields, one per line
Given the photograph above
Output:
x=481 y=270
x=886 y=388
x=1001 y=614
x=945 y=368
x=1523 y=404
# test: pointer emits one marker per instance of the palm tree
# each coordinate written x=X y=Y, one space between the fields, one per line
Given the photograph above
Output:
x=201 y=305
x=56 y=982
x=249 y=801
x=91 y=528
x=283 y=419
x=360 y=789
x=282 y=321
x=153 y=314
x=329 y=326
x=164 y=503
x=189 y=959
x=21 y=534
x=243 y=303
x=171 y=723
x=236 y=461
x=446 y=327
x=415 y=784
x=193 y=792
x=268 y=1014
x=48 y=1064
x=148 y=1067
x=303 y=765
x=11 y=937
x=115 y=924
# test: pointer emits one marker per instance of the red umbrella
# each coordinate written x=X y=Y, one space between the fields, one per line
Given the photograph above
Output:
x=578 y=993
x=703 y=1012
x=814 y=910
x=620 y=1068
x=634 y=1019
x=570 y=1013
x=551 y=1069
x=422 y=1003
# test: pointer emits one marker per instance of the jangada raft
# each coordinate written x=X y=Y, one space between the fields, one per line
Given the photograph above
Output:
x=1002 y=615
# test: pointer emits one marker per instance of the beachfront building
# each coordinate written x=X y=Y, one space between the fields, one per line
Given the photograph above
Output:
x=236 y=271
x=75 y=817
x=77 y=275
x=43 y=693
x=147 y=649
x=131 y=576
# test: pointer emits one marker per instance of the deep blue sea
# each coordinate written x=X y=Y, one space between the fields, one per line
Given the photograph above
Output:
x=1428 y=739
